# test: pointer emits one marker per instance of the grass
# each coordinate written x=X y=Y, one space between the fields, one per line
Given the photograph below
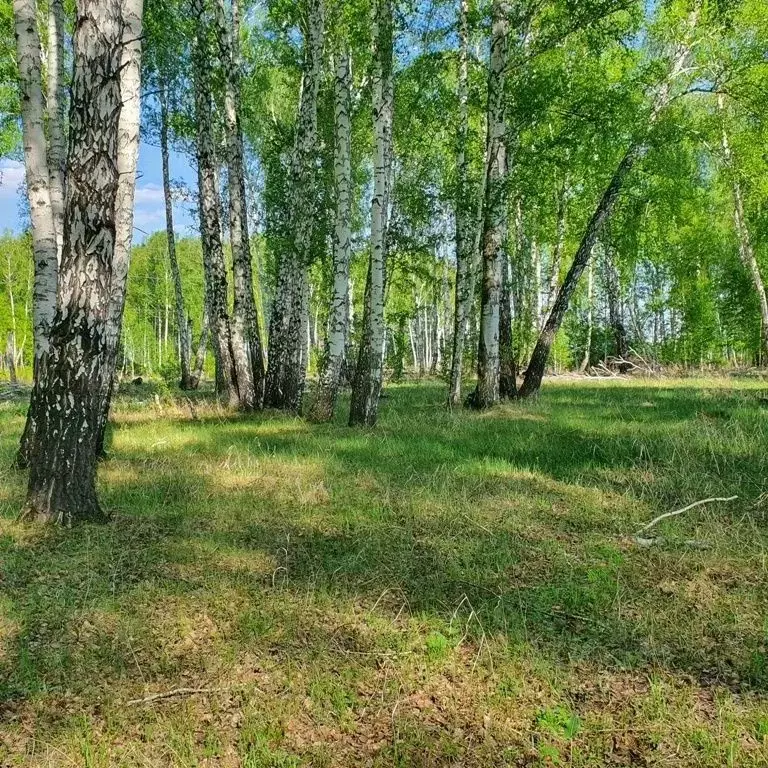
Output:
x=451 y=589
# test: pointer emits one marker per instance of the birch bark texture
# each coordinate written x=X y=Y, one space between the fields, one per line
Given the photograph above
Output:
x=338 y=331
x=246 y=342
x=214 y=267
x=370 y=363
x=127 y=159
x=69 y=390
x=185 y=342
x=494 y=213
x=466 y=220
x=56 y=104
x=636 y=151
x=28 y=57
x=289 y=320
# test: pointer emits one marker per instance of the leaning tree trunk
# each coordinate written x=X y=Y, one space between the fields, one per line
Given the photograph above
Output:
x=330 y=379
x=370 y=362
x=56 y=103
x=287 y=358
x=69 y=391
x=246 y=340
x=538 y=362
x=746 y=249
x=495 y=215
x=214 y=266
x=178 y=290
x=39 y=193
x=466 y=223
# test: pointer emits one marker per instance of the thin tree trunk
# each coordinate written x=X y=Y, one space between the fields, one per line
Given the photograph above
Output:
x=746 y=249
x=210 y=226
x=287 y=359
x=28 y=57
x=370 y=361
x=10 y=357
x=507 y=367
x=246 y=339
x=536 y=303
x=466 y=223
x=70 y=390
x=557 y=252
x=495 y=214
x=197 y=371
x=615 y=314
x=56 y=102
x=588 y=346
x=330 y=379
x=537 y=364
x=178 y=290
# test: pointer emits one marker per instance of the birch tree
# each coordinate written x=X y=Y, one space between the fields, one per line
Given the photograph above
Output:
x=38 y=178
x=494 y=213
x=287 y=358
x=330 y=377
x=127 y=159
x=208 y=206
x=56 y=103
x=370 y=362
x=69 y=391
x=246 y=342
x=635 y=152
x=466 y=221
x=185 y=342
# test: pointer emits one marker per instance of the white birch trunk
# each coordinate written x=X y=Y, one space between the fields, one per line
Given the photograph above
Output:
x=495 y=213
x=210 y=227
x=287 y=359
x=56 y=103
x=338 y=331
x=370 y=364
x=127 y=159
x=466 y=224
x=246 y=341
x=182 y=326
x=28 y=57
x=69 y=391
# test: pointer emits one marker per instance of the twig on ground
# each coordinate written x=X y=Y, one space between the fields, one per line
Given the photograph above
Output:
x=173 y=693
x=683 y=509
x=650 y=542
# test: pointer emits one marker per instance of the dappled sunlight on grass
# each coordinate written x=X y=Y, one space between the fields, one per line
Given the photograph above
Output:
x=450 y=588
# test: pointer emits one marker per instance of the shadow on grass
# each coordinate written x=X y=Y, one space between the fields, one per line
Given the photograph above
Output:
x=507 y=524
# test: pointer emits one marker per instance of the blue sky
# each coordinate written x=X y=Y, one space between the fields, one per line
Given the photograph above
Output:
x=149 y=213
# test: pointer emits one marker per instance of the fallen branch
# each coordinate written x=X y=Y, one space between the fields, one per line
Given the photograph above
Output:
x=172 y=694
x=684 y=509
x=661 y=540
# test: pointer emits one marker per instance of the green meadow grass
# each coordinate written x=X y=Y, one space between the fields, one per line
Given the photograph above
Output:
x=449 y=589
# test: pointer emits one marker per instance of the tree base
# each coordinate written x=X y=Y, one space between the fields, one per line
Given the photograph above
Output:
x=43 y=514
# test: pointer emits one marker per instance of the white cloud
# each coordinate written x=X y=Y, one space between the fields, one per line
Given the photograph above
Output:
x=11 y=177
x=149 y=195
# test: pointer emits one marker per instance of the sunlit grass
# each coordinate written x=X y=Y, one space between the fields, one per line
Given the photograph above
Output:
x=448 y=589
